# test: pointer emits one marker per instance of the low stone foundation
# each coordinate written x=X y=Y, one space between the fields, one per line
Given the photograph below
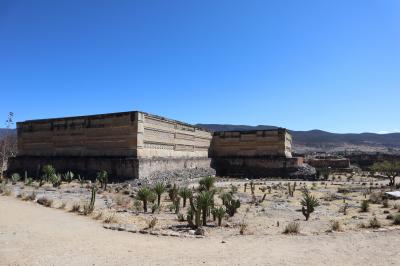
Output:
x=256 y=167
x=185 y=167
x=119 y=168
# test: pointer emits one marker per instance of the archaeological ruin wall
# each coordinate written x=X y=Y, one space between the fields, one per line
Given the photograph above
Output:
x=258 y=153
x=127 y=145
x=141 y=145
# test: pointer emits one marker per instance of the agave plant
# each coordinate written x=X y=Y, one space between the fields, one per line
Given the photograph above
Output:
x=15 y=178
x=159 y=188
x=55 y=179
x=145 y=194
x=68 y=176
x=219 y=213
x=205 y=200
x=309 y=203
x=206 y=183
x=48 y=171
x=185 y=193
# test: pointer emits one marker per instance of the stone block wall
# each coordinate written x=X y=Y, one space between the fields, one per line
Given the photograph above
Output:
x=141 y=145
x=258 y=143
x=96 y=135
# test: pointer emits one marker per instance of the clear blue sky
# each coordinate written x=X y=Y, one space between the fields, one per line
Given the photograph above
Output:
x=331 y=65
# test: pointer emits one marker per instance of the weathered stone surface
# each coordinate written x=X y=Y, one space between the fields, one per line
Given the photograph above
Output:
x=140 y=145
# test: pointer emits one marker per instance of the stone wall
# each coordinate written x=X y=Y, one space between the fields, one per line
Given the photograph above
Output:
x=159 y=137
x=252 y=143
x=340 y=163
x=127 y=145
x=96 y=135
x=141 y=145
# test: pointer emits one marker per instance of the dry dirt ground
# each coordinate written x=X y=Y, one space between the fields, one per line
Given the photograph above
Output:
x=34 y=235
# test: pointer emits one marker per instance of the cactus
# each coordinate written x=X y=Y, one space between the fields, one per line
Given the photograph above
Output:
x=291 y=189
x=177 y=204
x=173 y=193
x=252 y=187
x=231 y=206
x=219 y=213
x=308 y=203
x=102 y=177
x=93 y=198
x=194 y=212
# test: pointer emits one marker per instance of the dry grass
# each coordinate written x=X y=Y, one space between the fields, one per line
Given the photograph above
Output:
x=110 y=219
x=292 y=228
x=151 y=223
x=30 y=197
x=76 y=207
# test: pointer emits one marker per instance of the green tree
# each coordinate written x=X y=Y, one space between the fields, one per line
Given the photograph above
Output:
x=206 y=183
x=159 y=188
x=205 y=200
x=390 y=169
x=145 y=194
x=185 y=193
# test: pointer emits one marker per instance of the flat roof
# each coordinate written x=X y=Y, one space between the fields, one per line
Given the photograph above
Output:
x=110 y=115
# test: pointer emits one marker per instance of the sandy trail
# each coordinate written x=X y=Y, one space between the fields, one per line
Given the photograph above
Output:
x=34 y=235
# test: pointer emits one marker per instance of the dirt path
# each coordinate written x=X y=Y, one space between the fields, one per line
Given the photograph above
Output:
x=34 y=235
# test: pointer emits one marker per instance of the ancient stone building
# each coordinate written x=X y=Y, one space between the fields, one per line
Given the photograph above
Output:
x=257 y=153
x=127 y=145
x=141 y=145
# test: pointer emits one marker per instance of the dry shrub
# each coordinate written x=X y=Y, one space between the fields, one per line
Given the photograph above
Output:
x=152 y=223
x=45 y=201
x=335 y=226
x=242 y=227
x=110 y=219
x=122 y=201
x=292 y=228
x=374 y=223
x=31 y=196
x=396 y=219
x=62 y=205
x=98 y=216
x=76 y=207
x=376 y=197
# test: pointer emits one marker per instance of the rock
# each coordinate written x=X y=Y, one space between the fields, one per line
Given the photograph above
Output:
x=199 y=232
x=121 y=227
x=131 y=228
x=191 y=232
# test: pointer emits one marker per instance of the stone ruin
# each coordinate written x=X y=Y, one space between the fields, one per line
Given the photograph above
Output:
x=135 y=144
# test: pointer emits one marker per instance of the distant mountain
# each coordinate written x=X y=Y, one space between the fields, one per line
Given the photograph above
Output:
x=226 y=127
x=319 y=141
x=314 y=140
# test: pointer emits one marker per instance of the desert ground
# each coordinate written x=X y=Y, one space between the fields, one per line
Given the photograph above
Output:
x=31 y=234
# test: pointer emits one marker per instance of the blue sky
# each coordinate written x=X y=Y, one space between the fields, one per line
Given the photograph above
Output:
x=331 y=65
